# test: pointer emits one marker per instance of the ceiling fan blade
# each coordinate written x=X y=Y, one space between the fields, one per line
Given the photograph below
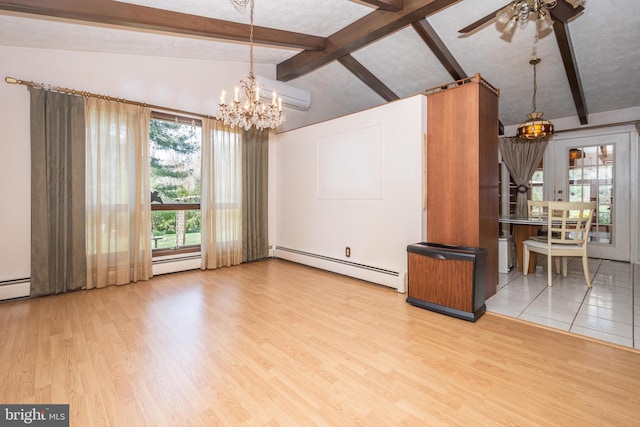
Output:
x=480 y=21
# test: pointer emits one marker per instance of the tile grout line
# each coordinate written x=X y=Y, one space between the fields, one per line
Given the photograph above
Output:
x=586 y=294
x=531 y=302
x=633 y=275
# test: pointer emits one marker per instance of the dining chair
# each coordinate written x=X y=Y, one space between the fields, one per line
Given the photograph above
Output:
x=538 y=209
x=568 y=225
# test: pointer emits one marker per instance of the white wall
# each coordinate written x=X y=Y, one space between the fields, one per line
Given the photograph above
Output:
x=326 y=203
x=188 y=85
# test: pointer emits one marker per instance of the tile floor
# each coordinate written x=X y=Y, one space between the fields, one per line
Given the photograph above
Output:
x=609 y=311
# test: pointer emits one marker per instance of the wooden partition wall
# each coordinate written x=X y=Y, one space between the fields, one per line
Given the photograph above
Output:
x=462 y=169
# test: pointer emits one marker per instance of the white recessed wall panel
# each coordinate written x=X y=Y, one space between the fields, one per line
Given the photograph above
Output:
x=350 y=164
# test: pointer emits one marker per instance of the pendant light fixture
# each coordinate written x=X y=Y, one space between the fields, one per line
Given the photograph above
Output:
x=535 y=127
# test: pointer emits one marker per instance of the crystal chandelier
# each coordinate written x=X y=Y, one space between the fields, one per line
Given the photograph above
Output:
x=519 y=11
x=246 y=110
x=535 y=127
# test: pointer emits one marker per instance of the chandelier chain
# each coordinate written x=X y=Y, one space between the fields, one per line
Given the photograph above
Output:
x=535 y=62
x=241 y=6
x=252 y=2
x=535 y=87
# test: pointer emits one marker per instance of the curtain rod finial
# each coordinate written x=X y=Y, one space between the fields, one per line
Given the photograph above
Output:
x=11 y=80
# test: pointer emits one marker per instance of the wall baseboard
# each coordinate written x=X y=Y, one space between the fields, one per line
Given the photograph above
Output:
x=176 y=265
x=17 y=289
x=393 y=279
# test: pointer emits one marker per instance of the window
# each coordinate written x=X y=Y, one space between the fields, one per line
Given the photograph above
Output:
x=175 y=156
x=537 y=183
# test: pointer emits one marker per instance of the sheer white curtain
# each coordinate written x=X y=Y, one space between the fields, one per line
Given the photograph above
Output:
x=221 y=200
x=117 y=193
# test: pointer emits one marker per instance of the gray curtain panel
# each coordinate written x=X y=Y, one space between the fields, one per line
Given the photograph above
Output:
x=521 y=159
x=58 y=261
x=255 y=174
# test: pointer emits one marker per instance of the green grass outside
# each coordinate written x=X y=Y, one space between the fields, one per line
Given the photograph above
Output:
x=168 y=240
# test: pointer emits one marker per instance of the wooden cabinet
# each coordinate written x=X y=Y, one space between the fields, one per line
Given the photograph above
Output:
x=462 y=169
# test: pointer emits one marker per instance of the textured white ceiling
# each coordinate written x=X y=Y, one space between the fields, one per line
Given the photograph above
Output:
x=605 y=39
x=302 y=16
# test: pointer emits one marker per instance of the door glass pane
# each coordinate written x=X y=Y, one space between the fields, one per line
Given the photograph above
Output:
x=591 y=180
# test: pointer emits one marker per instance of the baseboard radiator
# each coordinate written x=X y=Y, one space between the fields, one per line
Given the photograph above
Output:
x=380 y=276
x=17 y=288
x=20 y=288
x=175 y=265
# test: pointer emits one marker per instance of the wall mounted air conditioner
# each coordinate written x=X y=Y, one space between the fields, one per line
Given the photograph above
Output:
x=292 y=97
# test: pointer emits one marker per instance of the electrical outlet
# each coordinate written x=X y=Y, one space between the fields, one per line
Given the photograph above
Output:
x=347 y=251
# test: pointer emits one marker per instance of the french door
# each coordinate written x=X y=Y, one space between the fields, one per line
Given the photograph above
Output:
x=594 y=169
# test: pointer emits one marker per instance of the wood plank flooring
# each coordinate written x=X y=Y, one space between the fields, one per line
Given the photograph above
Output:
x=273 y=343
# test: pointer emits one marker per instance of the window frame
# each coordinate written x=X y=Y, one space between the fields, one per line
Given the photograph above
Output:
x=187 y=206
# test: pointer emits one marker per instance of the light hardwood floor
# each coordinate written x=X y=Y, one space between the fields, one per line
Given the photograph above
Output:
x=276 y=343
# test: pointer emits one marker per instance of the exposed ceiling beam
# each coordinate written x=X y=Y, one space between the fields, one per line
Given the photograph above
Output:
x=147 y=18
x=367 y=29
x=561 y=30
x=444 y=55
x=439 y=49
x=367 y=77
x=388 y=5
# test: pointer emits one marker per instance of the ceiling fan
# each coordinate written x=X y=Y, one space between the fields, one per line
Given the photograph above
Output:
x=519 y=10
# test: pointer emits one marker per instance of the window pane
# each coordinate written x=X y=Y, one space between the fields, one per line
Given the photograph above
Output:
x=175 y=161
x=537 y=184
x=166 y=223
x=591 y=179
